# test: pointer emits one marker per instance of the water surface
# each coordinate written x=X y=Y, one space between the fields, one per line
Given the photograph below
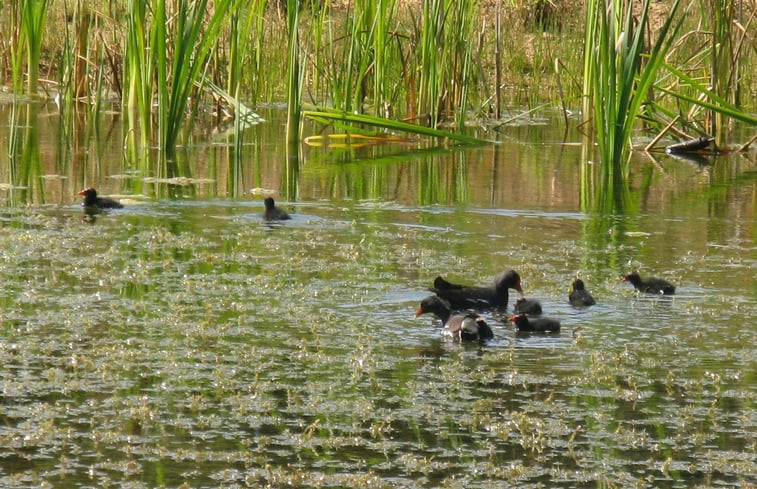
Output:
x=182 y=341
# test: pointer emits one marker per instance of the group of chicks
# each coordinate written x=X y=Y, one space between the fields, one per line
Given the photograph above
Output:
x=454 y=304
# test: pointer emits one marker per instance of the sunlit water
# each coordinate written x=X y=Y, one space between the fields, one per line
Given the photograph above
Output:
x=184 y=341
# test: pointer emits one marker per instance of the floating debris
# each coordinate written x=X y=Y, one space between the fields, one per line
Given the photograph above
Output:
x=185 y=181
x=690 y=146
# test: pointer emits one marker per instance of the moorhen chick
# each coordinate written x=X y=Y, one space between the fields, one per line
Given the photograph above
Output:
x=471 y=297
x=92 y=201
x=650 y=286
x=457 y=325
x=579 y=296
x=527 y=306
x=536 y=325
x=273 y=213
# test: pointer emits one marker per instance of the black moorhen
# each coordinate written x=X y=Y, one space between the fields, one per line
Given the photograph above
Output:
x=457 y=325
x=527 y=306
x=92 y=201
x=537 y=325
x=273 y=213
x=579 y=296
x=465 y=296
x=650 y=286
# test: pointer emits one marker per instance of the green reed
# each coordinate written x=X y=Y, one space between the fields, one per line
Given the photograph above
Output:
x=355 y=122
x=369 y=60
x=194 y=38
x=138 y=72
x=616 y=82
x=246 y=41
x=294 y=73
x=344 y=60
x=704 y=78
x=385 y=59
x=723 y=72
x=189 y=34
x=26 y=42
x=381 y=37
x=446 y=47
x=433 y=59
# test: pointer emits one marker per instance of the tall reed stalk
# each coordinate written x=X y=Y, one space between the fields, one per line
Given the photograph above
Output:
x=294 y=73
x=447 y=44
x=724 y=65
x=31 y=16
x=380 y=36
x=433 y=59
x=616 y=82
x=138 y=74
x=246 y=38
x=193 y=41
x=190 y=35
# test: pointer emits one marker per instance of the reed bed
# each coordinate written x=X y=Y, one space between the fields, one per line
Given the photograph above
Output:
x=25 y=48
x=615 y=80
x=430 y=62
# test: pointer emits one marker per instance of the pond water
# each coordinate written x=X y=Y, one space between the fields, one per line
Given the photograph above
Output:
x=183 y=342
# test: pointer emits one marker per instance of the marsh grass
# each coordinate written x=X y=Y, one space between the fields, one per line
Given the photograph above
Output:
x=295 y=73
x=25 y=43
x=436 y=62
x=246 y=47
x=194 y=37
x=707 y=88
x=724 y=65
x=153 y=76
x=138 y=69
x=446 y=47
x=617 y=83
x=669 y=84
x=354 y=121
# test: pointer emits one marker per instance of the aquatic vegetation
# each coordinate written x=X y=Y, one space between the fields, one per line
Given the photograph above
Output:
x=616 y=83
x=354 y=121
x=183 y=341
x=28 y=19
x=151 y=76
x=228 y=351
x=295 y=75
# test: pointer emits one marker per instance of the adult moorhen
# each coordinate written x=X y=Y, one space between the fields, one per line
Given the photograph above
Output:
x=92 y=201
x=650 y=286
x=457 y=325
x=273 y=213
x=536 y=325
x=579 y=296
x=527 y=306
x=471 y=297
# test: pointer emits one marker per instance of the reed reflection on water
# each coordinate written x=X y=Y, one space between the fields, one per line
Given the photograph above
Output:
x=180 y=340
